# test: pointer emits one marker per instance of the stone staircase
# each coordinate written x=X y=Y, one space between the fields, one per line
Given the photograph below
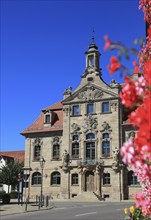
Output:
x=87 y=197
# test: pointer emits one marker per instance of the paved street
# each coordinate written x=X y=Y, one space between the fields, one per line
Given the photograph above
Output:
x=77 y=210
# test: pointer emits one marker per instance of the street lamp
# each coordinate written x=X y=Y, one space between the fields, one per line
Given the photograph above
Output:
x=42 y=163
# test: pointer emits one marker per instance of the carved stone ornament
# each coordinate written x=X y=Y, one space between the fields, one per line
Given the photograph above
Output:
x=37 y=141
x=66 y=109
x=56 y=140
x=66 y=158
x=106 y=127
x=90 y=94
x=90 y=123
x=115 y=164
x=114 y=105
x=68 y=91
x=75 y=127
x=131 y=135
x=114 y=83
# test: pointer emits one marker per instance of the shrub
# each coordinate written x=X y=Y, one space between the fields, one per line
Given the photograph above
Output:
x=2 y=193
x=13 y=195
x=6 y=198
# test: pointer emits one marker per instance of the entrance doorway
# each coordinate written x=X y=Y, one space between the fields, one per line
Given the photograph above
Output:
x=89 y=181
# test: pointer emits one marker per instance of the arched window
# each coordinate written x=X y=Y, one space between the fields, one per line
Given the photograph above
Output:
x=56 y=151
x=106 y=145
x=55 y=178
x=132 y=179
x=106 y=178
x=90 y=147
x=36 y=178
x=105 y=135
x=37 y=152
x=90 y=136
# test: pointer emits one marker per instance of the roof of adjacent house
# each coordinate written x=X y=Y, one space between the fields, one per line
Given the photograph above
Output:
x=17 y=155
x=39 y=126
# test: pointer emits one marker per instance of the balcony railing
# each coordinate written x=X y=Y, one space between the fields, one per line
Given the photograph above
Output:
x=88 y=162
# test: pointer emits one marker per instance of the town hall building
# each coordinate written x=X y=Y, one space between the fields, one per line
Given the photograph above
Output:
x=78 y=140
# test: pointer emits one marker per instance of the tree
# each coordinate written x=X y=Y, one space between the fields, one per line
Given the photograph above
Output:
x=9 y=173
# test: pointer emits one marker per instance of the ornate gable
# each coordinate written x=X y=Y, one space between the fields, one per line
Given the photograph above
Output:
x=90 y=92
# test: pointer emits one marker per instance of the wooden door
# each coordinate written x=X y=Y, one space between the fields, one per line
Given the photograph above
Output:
x=89 y=181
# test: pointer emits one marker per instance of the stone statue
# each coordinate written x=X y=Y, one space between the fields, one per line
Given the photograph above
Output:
x=65 y=158
x=116 y=153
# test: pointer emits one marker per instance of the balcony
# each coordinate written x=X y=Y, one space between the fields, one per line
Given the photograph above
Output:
x=88 y=162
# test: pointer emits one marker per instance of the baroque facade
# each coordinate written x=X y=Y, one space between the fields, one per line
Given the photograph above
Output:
x=80 y=138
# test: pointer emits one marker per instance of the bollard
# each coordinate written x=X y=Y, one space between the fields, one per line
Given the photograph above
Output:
x=47 y=201
x=26 y=202
x=39 y=202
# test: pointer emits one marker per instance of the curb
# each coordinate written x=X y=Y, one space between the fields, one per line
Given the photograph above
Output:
x=35 y=210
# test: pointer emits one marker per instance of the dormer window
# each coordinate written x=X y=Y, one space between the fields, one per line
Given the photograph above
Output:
x=47 y=119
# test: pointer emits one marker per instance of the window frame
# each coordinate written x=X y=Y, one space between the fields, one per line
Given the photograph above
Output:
x=132 y=179
x=55 y=178
x=74 y=113
x=103 y=107
x=90 y=112
x=74 y=179
x=106 y=144
x=75 y=149
x=57 y=156
x=106 y=179
x=36 y=176
x=37 y=153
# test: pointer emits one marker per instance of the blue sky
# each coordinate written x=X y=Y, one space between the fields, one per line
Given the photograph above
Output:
x=42 y=52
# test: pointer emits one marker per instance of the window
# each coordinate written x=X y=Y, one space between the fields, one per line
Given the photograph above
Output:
x=36 y=178
x=74 y=179
x=37 y=153
x=75 y=110
x=90 y=151
x=90 y=108
x=90 y=147
x=106 y=178
x=132 y=179
x=105 y=107
x=90 y=136
x=47 y=119
x=56 y=151
x=55 y=178
x=106 y=148
x=106 y=145
x=75 y=150
x=105 y=135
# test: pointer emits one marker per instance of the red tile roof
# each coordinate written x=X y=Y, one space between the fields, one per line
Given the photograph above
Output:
x=17 y=155
x=38 y=125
